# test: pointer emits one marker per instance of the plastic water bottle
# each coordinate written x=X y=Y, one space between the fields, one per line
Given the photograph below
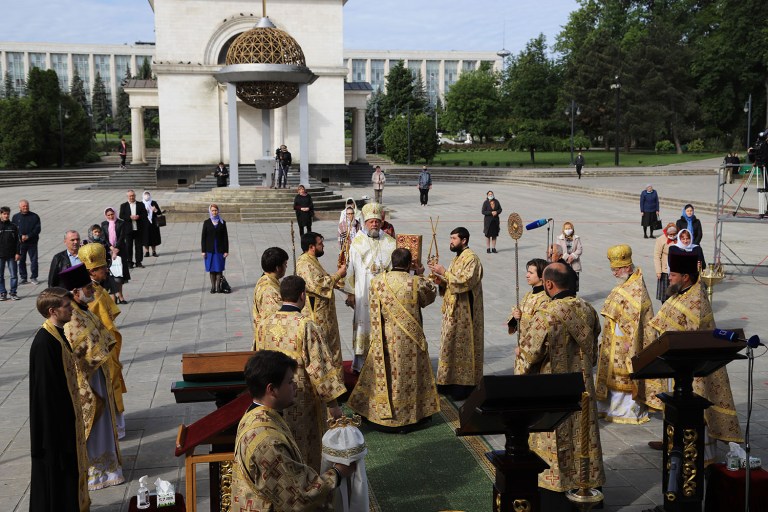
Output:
x=142 y=495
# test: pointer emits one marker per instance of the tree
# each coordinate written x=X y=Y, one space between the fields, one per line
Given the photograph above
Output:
x=8 y=90
x=17 y=133
x=145 y=71
x=76 y=130
x=400 y=92
x=77 y=91
x=374 y=122
x=472 y=104
x=44 y=94
x=123 y=115
x=423 y=139
x=100 y=105
x=420 y=96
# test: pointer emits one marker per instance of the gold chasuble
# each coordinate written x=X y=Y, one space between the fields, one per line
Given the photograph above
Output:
x=461 y=345
x=269 y=475
x=562 y=338
x=628 y=313
x=528 y=306
x=690 y=311
x=266 y=300
x=321 y=303
x=396 y=386
x=319 y=378
x=73 y=386
x=105 y=308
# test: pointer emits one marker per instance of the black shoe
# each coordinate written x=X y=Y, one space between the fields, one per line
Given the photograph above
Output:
x=493 y=250
x=146 y=254
x=656 y=445
x=139 y=265
x=488 y=251
x=645 y=236
x=213 y=290
x=131 y=265
x=154 y=254
x=651 y=236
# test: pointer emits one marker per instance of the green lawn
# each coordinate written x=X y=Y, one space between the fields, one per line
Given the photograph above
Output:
x=498 y=158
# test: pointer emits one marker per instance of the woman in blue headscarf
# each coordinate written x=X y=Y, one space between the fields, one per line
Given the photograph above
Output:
x=215 y=247
x=689 y=221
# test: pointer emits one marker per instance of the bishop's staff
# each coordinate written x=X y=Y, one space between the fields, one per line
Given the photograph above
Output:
x=515 y=228
x=293 y=247
x=436 y=258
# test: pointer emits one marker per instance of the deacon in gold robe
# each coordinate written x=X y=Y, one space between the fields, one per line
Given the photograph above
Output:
x=94 y=258
x=266 y=294
x=370 y=254
x=520 y=318
x=91 y=343
x=562 y=338
x=628 y=313
x=396 y=387
x=688 y=309
x=319 y=377
x=59 y=477
x=460 y=367
x=269 y=474
x=321 y=304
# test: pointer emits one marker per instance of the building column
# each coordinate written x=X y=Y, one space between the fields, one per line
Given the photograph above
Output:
x=304 y=134
x=137 y=136
x=358 y=135
x=234 y=147
x=281 y=126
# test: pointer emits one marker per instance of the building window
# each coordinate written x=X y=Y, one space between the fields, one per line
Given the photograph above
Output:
x=102 y=67
x=59 y=65
x=450 y=74
x=80 y=64
x=432 y=80
x=414 y=66
x=37 y=60
x=122 y=68
x=468 y=65
x=358 y=70
x=15 y=67
x=377 y=75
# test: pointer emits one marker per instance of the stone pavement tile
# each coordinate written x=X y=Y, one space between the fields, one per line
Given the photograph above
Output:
x=624 y=496
x=19 y=500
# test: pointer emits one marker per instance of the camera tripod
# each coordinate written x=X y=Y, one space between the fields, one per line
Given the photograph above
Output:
x=755 y=173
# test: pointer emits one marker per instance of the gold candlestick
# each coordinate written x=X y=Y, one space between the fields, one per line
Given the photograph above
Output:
x=585 y=497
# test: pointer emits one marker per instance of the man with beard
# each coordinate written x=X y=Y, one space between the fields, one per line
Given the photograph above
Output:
x=370 y=254
x=320 y=305
x=688 y=309
x=628 y=313
x=460 y=366
x=91 y=343
x=266 y=294
x=520 y=318
x=562 y=338
x=59 y=479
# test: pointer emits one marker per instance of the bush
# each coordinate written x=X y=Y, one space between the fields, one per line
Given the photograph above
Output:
x=484 y=163
x=496 y=164
x=91 y=157
x=696 y=146
x=470 y=163
x=152 y=143
x=456 y=163
x=664 y=146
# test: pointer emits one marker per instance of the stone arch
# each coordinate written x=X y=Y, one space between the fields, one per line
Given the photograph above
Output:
x=223 y=36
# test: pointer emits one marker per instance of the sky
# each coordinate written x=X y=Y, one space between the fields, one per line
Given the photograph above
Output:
x=484 y=25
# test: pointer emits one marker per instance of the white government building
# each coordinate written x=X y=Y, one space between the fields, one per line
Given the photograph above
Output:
x=197 y=125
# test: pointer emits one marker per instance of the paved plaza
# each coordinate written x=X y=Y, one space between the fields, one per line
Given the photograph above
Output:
x=171 y=311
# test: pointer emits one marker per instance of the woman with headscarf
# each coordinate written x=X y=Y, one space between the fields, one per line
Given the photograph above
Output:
x=114 y=230
x=649 y=209
x=152 y=231
x=491 y=225
x=570 y=243
x=684 y=244
x=215 y=247
x=661 y=259
x=689 y=221
x=350 y=203
x=349 y=226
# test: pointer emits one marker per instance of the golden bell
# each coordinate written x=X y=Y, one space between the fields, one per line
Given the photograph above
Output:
x=93 y=255
x=620 y=256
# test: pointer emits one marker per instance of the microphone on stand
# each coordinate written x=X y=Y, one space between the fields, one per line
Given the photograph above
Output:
x=724 y=334
x=537 y=224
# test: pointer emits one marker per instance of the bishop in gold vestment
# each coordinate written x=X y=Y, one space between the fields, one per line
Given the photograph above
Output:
x=689 y=310
x=461 y=345
x=319 y=378
x=628 y=313
x=562 y=338
x=396 y=386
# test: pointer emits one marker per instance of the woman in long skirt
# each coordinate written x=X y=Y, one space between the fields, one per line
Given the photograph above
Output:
x=215 y=246
x=152 y=229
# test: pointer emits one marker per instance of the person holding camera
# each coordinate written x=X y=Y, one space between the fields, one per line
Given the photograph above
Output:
x=283 y=159
x=222 y=174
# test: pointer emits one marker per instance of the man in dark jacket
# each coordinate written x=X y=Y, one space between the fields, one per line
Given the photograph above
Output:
x=221 y=173
x=29 y=234
x=425 y=184
x=283 y=157
x=66 y=258
x=9 y=253
x=134 y=213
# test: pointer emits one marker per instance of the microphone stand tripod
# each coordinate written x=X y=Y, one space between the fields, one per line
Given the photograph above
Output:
x=750 y=394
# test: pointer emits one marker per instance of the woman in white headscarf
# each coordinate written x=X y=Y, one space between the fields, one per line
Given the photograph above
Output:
x=685 y=244
x=152 y=231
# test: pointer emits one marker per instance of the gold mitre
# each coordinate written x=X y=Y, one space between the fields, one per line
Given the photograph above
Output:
x=372 y=211
x=93 y=255
x=620 y=256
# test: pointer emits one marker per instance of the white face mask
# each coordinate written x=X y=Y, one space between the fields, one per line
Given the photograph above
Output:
x=490 y=196
x=568 y=232
x=672 y=237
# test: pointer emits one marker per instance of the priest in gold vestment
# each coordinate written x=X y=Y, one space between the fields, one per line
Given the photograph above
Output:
x=94 y=257
x=688 y=309
x=520 y=317
x=266 y=294
x=91 y=343
x=562 y=338
x=269 y=473
x=460 y=367
x=318 y=377
x=628 y=313
x=321 y=303
x=396 y=387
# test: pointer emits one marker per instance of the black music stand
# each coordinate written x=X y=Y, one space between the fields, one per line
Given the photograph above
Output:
x=683 y=355
x=516 y=405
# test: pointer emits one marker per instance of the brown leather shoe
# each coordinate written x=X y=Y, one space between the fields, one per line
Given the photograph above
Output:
x=656 y=445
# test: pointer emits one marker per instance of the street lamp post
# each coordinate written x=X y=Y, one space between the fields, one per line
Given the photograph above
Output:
x=61 y=138
x=408 y=110
x=376 y=125
x=573 y=111
x=617 y=86
x=748 y=111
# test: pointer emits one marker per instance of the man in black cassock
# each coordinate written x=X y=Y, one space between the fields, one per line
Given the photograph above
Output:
x=59 y=479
